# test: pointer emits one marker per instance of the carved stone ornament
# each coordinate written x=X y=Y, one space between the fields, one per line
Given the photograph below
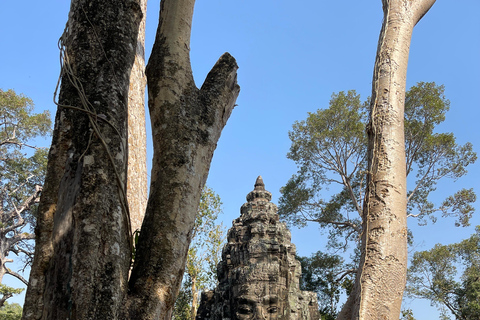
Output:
x=258 y=275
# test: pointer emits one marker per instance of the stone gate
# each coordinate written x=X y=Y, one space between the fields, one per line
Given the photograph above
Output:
x=259 y=274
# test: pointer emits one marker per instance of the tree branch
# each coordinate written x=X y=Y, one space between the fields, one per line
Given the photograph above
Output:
x=16 y=275
x=220 y=89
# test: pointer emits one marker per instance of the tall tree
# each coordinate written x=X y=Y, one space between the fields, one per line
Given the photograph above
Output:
x=186 y=124
x=22 y=171
x=84 y=209
x=329 y=149
x=381 y=276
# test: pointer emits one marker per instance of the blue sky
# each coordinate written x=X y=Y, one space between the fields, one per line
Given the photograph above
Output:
x=292 y=57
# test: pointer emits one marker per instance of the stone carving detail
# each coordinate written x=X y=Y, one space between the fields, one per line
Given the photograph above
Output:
x=258 y=275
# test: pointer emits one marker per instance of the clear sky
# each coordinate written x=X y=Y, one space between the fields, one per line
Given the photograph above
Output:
x=292 y=57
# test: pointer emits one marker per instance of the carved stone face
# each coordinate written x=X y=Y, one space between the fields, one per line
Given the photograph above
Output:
x=259 y=300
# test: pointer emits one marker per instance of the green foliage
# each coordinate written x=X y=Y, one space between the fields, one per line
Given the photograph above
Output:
x=19 y=123
x=434 y=275
x=183 y=304
x=329 y=148
x=6 y=290
x=22 y=171
x=407 y=315
x=434 y=155
x=205 y=249
x=324 y=274
x=203 y=255
x=22 y=166
x=11 y=311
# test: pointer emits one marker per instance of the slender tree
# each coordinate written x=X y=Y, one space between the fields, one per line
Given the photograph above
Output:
x=381 y=278
x=186 y=124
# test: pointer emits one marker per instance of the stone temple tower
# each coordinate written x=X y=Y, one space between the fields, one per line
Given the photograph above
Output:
x=258 y=275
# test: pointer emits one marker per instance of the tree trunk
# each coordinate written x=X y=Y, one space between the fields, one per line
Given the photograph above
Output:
x=83 y=237
x=137 y=188
x=186 y=124
x=381 y=277
x=57 y=157
x=193 y=310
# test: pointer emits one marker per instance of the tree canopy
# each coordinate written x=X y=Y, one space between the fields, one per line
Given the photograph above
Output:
x=324 y=274
x=11 y=311
x=22 y=171
x=329 y=148
x=449 y=276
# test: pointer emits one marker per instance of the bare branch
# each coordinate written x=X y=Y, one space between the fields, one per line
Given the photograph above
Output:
x=16 y=275
x=344 y=273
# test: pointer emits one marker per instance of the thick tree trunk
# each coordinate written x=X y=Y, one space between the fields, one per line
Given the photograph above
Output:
x=186 y=124
x=380 y=281
x=83 y=249
x=137 y=187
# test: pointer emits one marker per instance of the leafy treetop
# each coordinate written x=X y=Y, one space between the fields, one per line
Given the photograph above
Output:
x=329 y=148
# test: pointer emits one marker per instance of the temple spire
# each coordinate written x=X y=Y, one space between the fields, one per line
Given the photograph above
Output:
x=259 y=185
x=259 y=192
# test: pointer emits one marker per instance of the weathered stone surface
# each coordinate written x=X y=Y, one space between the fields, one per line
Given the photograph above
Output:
x=258 y=275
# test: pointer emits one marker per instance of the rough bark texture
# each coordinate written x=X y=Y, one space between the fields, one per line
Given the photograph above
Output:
x=137 y=181
x=381 y=278
x=259 y=274
x=83 y=252
x=58 y=154
x=186 y=124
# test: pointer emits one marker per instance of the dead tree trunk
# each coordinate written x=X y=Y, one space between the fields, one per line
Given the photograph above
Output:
x=186 y=124
x=83 y=250
x=381 y=277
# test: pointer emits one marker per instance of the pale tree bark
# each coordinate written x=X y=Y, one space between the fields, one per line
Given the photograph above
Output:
x=380 y=282
x=83 y=250
x=193 y=310
x=137 y=185
x=186 y=124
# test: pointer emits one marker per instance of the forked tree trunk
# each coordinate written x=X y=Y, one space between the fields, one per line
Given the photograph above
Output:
x=137 y=185
x=83 y=245
x=82 y=250
x=186 y=124
x=381 y=278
